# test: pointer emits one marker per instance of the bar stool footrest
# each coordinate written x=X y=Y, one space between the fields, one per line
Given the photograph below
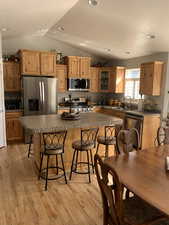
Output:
x=43 y=173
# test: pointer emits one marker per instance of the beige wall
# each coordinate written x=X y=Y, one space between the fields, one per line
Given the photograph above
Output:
x=12 y=45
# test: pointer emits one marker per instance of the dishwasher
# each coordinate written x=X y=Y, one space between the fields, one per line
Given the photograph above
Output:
x=134 y=120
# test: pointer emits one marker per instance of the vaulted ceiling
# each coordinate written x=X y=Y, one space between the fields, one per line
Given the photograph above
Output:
x=118 y=29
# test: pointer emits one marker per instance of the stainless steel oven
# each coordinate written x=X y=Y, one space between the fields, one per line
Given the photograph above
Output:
x=77 y=84
x=134 y=120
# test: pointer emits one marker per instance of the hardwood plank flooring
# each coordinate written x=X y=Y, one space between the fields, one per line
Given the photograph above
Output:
x=23 y=200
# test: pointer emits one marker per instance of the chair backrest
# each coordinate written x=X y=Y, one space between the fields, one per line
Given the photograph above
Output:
x=111 y=192
x=89 y=135
x=109 y=132
x=54 y=140
x=163 y=135
x=128 y=140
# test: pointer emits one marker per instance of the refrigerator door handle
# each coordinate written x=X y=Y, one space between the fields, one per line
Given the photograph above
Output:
x=40 y=93
x=43 y=92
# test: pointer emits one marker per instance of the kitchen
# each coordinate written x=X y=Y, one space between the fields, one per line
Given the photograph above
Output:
x=89 y=84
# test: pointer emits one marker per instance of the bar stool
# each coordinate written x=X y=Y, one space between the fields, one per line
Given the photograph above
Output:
x=86 y=143
x=108 y=139
x=53 y=146
x=30 y=144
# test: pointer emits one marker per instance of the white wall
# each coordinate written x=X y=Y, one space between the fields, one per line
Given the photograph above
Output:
x=12 y=45
x=163 y=100
x=2 y=107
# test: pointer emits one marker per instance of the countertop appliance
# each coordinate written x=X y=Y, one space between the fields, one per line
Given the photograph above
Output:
x=39 y=95
x=77 y=84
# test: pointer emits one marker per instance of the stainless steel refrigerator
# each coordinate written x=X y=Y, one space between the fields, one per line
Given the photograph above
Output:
x=39 y=95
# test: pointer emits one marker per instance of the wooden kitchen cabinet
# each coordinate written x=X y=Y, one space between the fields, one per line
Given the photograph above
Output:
x=94 y=79
x=84 y=67
x=118 y=79
x=61 y=74
x=150 y=78
x=78 y=67
x=47 y=63
x=73 y=66
x=12 y=76
x=105 y=79
x=30 y=62
x=38 y=63
x=14 y=130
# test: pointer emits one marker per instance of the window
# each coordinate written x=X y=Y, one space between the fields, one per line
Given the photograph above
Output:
x=132 y=83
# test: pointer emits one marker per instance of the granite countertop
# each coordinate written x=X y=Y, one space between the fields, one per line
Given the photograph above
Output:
x=144 y=113
x=47 y=123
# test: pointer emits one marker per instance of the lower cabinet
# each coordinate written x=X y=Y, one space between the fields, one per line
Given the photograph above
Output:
x=151 y=124
x=14 y=130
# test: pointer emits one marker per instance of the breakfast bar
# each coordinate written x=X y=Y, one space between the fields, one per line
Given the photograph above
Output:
x=50 y=123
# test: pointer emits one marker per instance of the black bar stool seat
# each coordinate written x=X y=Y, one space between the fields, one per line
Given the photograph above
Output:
x=106 y=140
x=85 y=144
x=53 y=146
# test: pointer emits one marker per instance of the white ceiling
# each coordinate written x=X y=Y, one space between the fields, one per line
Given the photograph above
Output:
x=118 y=25
x=31 y=17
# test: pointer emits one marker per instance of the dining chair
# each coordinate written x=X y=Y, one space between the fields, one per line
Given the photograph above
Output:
x=128 y=140
x=162 y=136
x=117 y=211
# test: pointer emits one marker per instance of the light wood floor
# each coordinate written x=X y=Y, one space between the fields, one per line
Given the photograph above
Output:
x=23 y=200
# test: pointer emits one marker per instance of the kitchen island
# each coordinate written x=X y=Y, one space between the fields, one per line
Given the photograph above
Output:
x=49 y=123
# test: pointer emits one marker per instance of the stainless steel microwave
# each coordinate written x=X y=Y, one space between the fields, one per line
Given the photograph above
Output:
x=77 y=84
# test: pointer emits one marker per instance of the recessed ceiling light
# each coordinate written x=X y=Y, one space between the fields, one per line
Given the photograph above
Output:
x=128 y=53
x=150 y=36
x=82 y=44
x=60 y=28
x=108 y=49
x=92 y=2
x=4 y=29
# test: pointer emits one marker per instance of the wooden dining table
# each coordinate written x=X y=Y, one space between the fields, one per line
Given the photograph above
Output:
x=144 y=173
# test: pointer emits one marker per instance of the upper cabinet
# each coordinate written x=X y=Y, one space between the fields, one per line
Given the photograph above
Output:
x=37 y=63
x=61 y=74
x=118 y=79
x=12 y=78
x=48 y=63
x=94 y=79
x=105 y=79
x=78 y=67
x=150 y=78
x=84 y=67
x=73 y=66
x=30 y=62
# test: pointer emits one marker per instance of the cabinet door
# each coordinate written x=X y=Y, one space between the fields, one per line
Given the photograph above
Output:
x=48 y=63
x=105 y=80
x=30 y=62
x=14 y=129
x=94 y=79
x=146 y=79
x=120 y=79
x=73 y=66
x=61 y=74
x=12 y=81
x=84 y=67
